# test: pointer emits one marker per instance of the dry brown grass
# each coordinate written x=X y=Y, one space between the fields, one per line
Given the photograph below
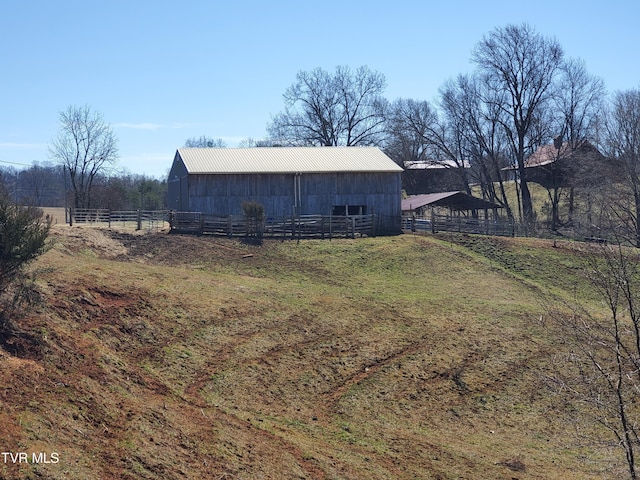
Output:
x=56 y=214
x=166 y=356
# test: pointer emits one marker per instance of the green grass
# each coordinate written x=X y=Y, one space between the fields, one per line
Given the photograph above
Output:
x=397 y=357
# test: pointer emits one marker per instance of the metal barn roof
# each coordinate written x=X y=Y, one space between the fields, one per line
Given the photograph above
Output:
x=455 y=200
x=434 y=164
x=286 y=160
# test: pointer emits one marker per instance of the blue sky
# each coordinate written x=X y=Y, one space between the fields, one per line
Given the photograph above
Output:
x=161 y=72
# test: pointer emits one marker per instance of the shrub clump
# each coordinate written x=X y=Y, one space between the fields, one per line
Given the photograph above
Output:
x=254 y=215
x=23 y=237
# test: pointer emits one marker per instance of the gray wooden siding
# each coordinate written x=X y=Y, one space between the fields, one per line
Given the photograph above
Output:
x=224 y=194
x=178 y=187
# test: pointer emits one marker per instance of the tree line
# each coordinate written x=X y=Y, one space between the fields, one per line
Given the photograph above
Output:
x=523 y=93
x=49 y=185
x=483 y=126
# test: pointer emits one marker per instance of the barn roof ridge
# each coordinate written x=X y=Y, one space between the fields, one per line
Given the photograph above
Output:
x=285 y=160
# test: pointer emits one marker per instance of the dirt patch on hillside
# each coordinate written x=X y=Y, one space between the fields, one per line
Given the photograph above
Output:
x=77 y=239
x=176 y=249
x=161 y=248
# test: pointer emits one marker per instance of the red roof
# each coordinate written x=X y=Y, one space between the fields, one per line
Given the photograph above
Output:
x=547 y=154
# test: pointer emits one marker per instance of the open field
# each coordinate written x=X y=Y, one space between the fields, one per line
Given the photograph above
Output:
x=56 y=214
x=168 y=356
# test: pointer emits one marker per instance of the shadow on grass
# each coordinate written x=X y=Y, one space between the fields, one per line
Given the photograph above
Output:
x=16 y=341
x=254 y=240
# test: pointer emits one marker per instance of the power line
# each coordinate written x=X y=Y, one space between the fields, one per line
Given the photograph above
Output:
x=16 y=163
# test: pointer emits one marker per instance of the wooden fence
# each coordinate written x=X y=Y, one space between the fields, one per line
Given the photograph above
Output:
x=302 y=226
x=446 y=223
x=138 y=219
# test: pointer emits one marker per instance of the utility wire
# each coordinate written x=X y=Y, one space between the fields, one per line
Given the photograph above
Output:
x=16 y=163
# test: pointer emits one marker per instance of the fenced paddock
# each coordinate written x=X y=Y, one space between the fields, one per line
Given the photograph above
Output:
x=301 y=226
x=308 y=226
x=446 y=223
x=152 y=220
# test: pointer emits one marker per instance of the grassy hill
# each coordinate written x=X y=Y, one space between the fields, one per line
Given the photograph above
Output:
x=167 y=356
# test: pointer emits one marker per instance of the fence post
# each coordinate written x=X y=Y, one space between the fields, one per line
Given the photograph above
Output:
x=330 y=225
x=293 y=225
x=284 y=225
x=139 y=220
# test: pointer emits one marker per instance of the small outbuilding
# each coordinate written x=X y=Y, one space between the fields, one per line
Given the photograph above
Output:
x=452 y=201
x=453 y=211
x=288 y=181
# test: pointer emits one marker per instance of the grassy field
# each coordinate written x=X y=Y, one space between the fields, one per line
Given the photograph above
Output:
x=168 y=356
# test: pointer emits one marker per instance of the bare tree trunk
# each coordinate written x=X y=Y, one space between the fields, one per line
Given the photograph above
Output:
x=601 y=375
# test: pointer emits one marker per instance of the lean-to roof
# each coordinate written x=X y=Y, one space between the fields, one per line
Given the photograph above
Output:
x=455 y=200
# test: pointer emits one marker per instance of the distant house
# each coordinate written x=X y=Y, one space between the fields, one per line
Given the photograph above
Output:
x=288 y=181
x=556 y=165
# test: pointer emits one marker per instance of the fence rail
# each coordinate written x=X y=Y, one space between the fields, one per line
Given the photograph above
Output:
x=321 y=226
x=301 y=226
x=446 y=223
x=138 y=219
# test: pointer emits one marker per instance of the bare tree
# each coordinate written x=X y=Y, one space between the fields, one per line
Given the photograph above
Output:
x=523 y=63
x=416 y=133
x=623 y=144
x=467 y=105
x=42 y=185
x=574 y=117
x=321 y=109
x=408 y=122
x=205 y=142
x=248 y=142
x=85 y=147
x=597 y=361
x=579 y=98
x=406 y=135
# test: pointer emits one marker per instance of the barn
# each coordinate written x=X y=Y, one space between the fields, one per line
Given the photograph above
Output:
x=288 y=181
